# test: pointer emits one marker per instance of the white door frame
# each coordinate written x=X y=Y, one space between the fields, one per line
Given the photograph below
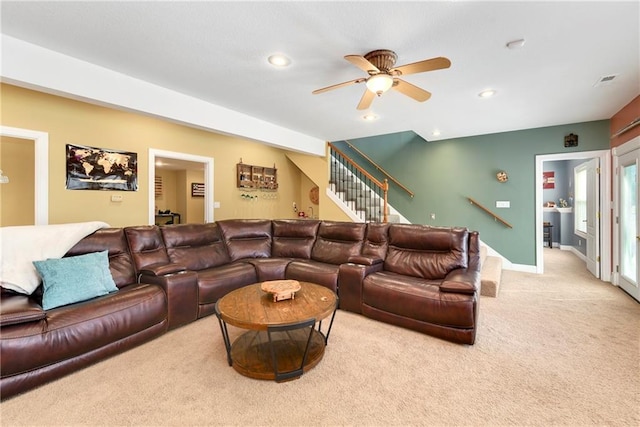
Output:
x=41 y=175
x=621 y=150
x=604 y=206
x=208 y=180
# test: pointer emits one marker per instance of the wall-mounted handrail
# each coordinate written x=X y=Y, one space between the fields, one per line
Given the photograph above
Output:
x=496 y=217
x=384 y=172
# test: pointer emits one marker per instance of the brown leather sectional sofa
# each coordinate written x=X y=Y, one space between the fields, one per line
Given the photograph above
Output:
x=419 y=277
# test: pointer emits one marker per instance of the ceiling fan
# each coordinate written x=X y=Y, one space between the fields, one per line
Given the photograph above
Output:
x=379 y=64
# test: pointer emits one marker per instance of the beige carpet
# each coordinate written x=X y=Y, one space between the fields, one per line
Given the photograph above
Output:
x=554 y=349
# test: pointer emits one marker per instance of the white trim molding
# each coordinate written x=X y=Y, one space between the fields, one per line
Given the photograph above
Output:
x=208 y=180
x=41 y=175
x=604 y=206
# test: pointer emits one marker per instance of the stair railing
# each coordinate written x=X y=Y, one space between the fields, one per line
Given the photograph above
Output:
x=352 y=169
x=379 y=168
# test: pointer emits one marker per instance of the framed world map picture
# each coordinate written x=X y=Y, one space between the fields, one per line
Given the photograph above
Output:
x=90 y=168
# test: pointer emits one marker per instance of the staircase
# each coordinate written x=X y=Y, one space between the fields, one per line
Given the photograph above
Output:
x=355 y=192
x=490 y=273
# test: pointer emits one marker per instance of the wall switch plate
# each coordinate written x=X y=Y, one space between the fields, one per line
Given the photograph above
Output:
x=432 y=216
x=116 y=198
x=503 y=204
x=216 y=205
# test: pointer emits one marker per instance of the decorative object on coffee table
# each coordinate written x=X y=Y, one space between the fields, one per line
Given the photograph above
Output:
x=281 y=289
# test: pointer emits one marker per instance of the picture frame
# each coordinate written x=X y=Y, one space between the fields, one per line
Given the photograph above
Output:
x=92 y=168
x=197 y=189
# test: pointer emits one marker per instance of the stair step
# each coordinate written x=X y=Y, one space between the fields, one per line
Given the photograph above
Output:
x=490 y=276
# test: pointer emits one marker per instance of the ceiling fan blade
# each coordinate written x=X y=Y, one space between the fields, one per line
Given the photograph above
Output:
x=339 y=85
x=422 y=66
x=411 y=91
x=362 y=63
x=366 y=100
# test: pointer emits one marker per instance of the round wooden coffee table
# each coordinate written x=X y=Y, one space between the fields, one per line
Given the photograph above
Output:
x=282 y=341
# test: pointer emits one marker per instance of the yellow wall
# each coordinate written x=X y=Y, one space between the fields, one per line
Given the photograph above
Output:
x=17 y=197
x=316 y=170
x=168 y=198
x=75 y=122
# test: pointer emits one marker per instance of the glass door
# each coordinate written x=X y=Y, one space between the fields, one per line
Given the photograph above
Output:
x=629 y=227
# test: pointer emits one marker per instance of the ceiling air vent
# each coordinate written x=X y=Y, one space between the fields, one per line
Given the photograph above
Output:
x=605 y=80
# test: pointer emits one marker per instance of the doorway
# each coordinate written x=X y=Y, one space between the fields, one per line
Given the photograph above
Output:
x=205 y=162
x=41 y=168
x=604 y=183
x=626 y=162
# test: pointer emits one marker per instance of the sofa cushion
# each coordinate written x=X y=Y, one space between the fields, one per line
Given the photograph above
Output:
x=320 y=273
x=196 y=246
x=426 y=252
x=78 y=330
x=214 y=283
x=146 y=245
x=247 y=238
x=74 y=279
x=120 y=261
x=376 y=241
x=418 y=299
x=337 y=241
x=293 y=238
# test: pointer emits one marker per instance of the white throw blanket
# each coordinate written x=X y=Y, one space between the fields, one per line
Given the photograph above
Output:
x=21 y=245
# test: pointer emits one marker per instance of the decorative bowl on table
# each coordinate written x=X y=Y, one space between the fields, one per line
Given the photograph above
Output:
x=281 y=289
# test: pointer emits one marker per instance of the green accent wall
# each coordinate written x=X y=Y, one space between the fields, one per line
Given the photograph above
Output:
x=443 y=174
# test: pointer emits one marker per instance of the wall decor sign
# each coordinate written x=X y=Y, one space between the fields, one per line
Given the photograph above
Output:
x=571 y=140
x=548 y=180
x=197 y=189
x=91 y=168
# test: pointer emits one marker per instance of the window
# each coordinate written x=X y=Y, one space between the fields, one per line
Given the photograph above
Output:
x=580 y=200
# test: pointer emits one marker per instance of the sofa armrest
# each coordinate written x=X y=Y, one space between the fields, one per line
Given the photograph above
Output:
x=182 y=295
x=16 y=309
x=461 y=281
x=365 y=260
x=161 y=269
x=350 y=282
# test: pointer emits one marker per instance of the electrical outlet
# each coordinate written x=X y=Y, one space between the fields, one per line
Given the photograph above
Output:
x=116 y=198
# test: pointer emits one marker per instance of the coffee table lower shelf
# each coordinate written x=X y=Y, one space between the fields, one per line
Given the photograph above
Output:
x=253 y=355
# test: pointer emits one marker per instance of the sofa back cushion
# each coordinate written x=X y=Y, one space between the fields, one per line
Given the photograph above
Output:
x=293 y=238
x=196 y=246
x=146 y=246
x=426 y=252
x=376 y=241
x=247 y=238
x=114 y=241
x=337 y=241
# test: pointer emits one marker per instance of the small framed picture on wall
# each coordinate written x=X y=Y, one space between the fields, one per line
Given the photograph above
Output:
x=197 y=189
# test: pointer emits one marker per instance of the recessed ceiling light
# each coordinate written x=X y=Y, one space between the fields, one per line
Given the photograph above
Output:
x=370 y=117
x=435 y=133
x=279 y=60
x=487 y=93
x=515 y=44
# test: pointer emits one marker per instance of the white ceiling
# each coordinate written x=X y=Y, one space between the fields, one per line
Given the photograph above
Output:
x=216 y=51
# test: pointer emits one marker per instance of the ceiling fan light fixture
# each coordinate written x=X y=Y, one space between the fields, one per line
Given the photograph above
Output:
x=379 y=83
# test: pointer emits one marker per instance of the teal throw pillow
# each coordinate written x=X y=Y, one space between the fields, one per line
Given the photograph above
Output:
x=75 y=279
